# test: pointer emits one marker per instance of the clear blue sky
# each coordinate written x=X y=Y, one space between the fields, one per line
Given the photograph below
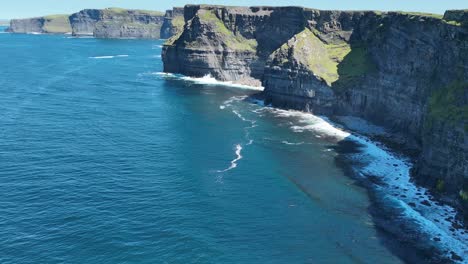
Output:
x=29 y=8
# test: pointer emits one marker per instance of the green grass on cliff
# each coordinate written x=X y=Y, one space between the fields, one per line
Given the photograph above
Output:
x=332 y=62
x=447 y=104
x=178 y=22
x=232 y=41
x=421 y=14
x=57 y=24
x=118 y=10
x=320 y=58
x=356 y=63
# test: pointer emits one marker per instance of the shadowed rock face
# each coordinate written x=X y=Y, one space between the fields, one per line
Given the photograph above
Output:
x=47 y=24
x=405 y=71
x=117 y=23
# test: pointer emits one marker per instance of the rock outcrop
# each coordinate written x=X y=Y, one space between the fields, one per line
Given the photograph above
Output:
x=54 y=24
x=117 y=23
x=173 y=22
x=405 y=71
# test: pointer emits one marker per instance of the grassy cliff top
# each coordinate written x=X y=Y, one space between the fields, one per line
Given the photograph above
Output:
x=119 y=10
x=58 y=16
x=57 y=24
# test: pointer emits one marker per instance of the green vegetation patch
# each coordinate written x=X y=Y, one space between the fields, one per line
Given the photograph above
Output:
x=440 y=185
x=356 y=63
x=171 y=41
x=464 y=195
x=447 y=104
x=332 y=62
x=421 y=14
x=118 y=10
x=320 y=58
x=178 y=22
x=57 y=24
x=235 y=42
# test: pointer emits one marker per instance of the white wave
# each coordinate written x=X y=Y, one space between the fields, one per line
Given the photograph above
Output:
x=292 y=143
x=156 y=47
x=156 y=56
x=34 y=33
x=234 y=161
x=435 y=220
x=81 y=37
x=109 y=57
x=209 y=80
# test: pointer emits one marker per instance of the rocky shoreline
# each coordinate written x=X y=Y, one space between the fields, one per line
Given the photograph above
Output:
x=406 y=72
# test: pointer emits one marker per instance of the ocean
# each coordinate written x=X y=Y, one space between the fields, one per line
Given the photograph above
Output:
x=105 y=159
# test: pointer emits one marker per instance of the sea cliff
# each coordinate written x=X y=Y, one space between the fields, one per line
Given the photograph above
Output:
x=54 y=24
x=117 y=23
x=106 y=23
x=407 y=72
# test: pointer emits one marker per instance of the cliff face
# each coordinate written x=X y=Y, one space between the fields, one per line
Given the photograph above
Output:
x=47 y=24
x=117 y=23
x=405 y=71
x=173 y=22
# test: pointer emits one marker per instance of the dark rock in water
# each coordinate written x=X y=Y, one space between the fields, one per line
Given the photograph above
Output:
x=426 y=203
x=404 y=71
x=436 y=239
x=456 y=257
x=412 y=204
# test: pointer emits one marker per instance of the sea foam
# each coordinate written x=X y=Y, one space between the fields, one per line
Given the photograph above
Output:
x=433 y=219
x=209 y=80
x=233 y=165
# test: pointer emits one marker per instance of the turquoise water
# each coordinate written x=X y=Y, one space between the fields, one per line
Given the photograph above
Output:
x=106 y=161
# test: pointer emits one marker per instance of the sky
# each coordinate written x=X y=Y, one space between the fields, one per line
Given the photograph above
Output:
x=30 y=8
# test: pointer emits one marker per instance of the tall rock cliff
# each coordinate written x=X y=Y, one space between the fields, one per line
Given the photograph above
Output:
x=405 y=71
x=47 y=24
x=173 y=22
x=117 y=23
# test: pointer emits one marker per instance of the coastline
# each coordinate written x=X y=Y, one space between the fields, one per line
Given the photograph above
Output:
x=386 y=175
x=420 y=221
x=385 y=172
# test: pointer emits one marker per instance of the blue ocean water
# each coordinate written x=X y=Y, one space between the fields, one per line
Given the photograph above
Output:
x=106 y=160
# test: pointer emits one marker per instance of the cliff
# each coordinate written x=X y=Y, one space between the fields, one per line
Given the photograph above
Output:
x=405 y=71
x=54 y=24
x=117 y=23
x=173 y=22
x=106 y=23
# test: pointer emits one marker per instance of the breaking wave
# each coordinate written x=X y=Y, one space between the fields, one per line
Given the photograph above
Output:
x=432 y=218
x=208 y=80
x=109 y=57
